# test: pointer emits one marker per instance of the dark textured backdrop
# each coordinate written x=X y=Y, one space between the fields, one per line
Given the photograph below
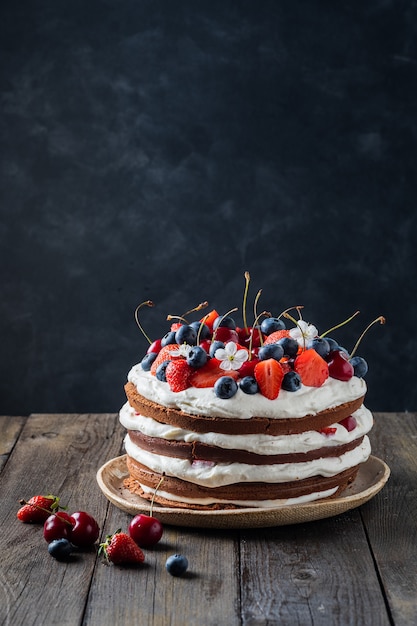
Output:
x=160 y=149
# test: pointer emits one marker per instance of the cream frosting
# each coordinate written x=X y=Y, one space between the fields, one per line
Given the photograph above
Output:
x=220 y=474
x=203 y=401
x=258 y=443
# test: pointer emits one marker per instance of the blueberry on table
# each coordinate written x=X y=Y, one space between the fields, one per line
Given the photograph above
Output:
x=60 y=549
x=176 y=565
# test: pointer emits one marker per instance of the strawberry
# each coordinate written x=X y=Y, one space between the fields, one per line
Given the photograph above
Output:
x=276 y=336
x=175 y=326
x=178 y=374
x=210 y=318
x=328 y=430
x=37 y=509
x=312 y=368
x=121 y=549
x=269 y=375
x=207 y=375
x=164 y=355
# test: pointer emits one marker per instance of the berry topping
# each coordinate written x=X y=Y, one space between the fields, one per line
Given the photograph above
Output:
x=176 y=565
x=276 y=336
x=291 y=381
x=271 y=324
x=271 y=351
x=186 y=334
x=147 y=361
x=360 y=366
x=207 y=375
x=269 y=375
x=289 y=345
x=197 y=357
x=167 y=353
x=349 y=423
x=225 y=387
x=249 y=385
x=177 y=375
x=339 y=365
x=313 y=370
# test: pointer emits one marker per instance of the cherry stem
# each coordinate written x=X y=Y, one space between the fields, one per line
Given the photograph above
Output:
x=199 y=307
x=245 y=298
x=154 y=493
x=380 y=319
x=146 y=303
x=267 y=314
x=297 y=308
x=221 y=319
x=340 y=325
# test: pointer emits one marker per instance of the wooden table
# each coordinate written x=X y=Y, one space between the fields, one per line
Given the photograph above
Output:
x=357 y=568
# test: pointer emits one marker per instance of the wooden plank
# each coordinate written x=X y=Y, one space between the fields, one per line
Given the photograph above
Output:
x=207 y=594
x=61 y=454
x=391 y=518
x=10 y=428
x=316 y=573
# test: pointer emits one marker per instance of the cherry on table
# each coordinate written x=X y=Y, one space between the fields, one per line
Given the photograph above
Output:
x=58 y=526
x=145 y=530
x=85 y=530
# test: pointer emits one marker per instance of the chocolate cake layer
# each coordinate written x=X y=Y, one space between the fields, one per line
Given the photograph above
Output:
x=141 y=475
x=233 y=426
x=196 y=450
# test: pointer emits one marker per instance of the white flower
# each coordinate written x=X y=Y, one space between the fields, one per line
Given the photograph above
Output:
x=303 y=332
x=183 y=350
x=231 y=358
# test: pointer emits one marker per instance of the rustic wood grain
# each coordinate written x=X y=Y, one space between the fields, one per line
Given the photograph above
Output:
x=58 y=454
x=316 y=573
x=10 y=428
x=147 y=595
x=357 y=568
x=391 y=518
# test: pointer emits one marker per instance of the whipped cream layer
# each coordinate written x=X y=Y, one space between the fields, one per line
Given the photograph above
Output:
x=261 y=504
x=259 y=444
x=221 y=474
x=197 y=401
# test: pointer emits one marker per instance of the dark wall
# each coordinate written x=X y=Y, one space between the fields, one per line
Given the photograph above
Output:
x=160 y=149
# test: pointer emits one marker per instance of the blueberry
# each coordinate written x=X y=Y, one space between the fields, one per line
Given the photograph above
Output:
x=225 y=387
x=60 y=549
x=224 y=322
x=271 y=351
x=271 y=324
x=360 y=366
x=197 y=357
x=249 y=385
x=290 y=346
x=147 y=361
x=176 y=564
x=160 y=371
x=202 y=330
x=168 y=338
x=186 y=334
x=333 y=345
x=291 y=381
x=320 y=345
x=215 y=345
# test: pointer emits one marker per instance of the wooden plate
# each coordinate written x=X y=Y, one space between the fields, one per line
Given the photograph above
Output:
x=371 y=478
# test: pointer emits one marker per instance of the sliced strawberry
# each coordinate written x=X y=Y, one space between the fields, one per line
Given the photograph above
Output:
x=164 y=355
x=276 y=336
x=328 y=430
x=349 y=423
x=178 y=374
x=312 y=369
x=209 y=318
x=269 y=375
x=207 y=375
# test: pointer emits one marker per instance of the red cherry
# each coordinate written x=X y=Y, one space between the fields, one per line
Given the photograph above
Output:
x=349 y=423
x=85 y=531
x=339 y=366
x=205 y=344
x=225 y=334
x=145 y=530
x=58 y=526
x=154 y=347
x=247 y=368
x=245 y=335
